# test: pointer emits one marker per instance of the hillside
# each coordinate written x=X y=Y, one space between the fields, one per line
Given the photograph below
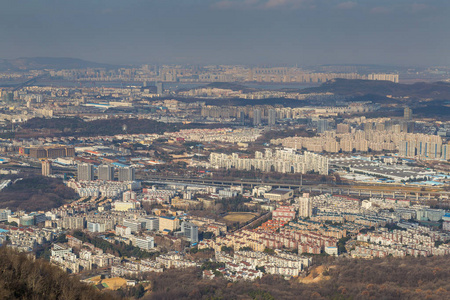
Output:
x=40 y=63
x=23 y=278
x=36 y=193
x=420 y=90
x=73 y=126
x=389 y=278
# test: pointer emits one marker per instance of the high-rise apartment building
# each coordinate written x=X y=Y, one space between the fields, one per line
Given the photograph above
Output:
x=322 y=125
x=85 y=171
x=106 y=172
x=190 y=231
x=159 y=88
x=46 y=168
x=242 y=117
x=272 y=117
x=283 y=161
x=305 y=206
x=407 y=113
x=126 y=174
x=256 y=117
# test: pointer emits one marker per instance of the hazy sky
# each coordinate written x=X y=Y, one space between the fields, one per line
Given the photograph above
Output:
x=304 y=32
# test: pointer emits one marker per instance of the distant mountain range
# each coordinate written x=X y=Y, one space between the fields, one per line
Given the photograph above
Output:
x=55 y=63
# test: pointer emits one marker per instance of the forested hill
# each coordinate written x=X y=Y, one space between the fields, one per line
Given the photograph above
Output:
x=36 y=193
x=73 y=126
x=387 y=278
x=347 y=87
x=23 y=278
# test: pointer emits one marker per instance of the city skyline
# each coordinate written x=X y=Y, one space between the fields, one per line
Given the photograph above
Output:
x=291 y=32
x=232 y=149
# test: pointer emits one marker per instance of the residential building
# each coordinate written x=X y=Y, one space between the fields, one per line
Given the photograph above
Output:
x=134 y=225
x=190 y=231
x=305 y=209
x=256 y=117
x=168 y=223
x=126 y=174
x=46 y=168
x=85 y=171
x=106 y=172
x=145 y=243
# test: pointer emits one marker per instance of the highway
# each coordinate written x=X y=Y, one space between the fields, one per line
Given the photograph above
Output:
x=396 y=192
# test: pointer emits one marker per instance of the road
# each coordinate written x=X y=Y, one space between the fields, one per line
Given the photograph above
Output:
x=397 y=192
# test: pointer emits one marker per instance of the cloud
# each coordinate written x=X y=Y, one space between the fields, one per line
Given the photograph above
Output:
x=380 y=10
x=223 y=4
x=346 y=5
x=278 y=3
x=106 y=11
x=418 y=7
x=263 y=4
x=378 y=7
x=236 y=4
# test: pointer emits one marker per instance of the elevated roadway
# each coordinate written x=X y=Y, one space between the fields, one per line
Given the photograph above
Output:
x=397 y=192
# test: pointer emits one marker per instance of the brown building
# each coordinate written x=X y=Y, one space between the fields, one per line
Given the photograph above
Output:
x=51 y=152
x=46 y=168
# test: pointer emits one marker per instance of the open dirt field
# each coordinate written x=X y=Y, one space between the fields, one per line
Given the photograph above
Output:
x=240 y=217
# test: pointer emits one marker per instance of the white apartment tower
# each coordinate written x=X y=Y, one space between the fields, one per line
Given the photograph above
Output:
x=305 y=208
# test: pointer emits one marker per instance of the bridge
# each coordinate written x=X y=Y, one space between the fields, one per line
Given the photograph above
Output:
x=28 y=82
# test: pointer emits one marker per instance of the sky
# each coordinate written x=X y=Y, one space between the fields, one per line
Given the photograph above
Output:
x=252 y=32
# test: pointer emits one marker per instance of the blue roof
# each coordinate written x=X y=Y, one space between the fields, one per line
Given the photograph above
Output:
x=119 y=165
x=99 y=104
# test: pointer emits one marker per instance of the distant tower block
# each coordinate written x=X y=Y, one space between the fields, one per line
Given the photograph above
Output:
x=159 y=88
x=256 y=117
x=407 y=113
x=46 y=168
x=272 y=117
x=322 y=125
x=242 y=117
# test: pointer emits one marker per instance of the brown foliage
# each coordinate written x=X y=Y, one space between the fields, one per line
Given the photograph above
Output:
x=389 y=278
x=23 y=278
x=36 y=193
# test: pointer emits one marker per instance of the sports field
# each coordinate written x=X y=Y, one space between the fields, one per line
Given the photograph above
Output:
x=241 y=217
